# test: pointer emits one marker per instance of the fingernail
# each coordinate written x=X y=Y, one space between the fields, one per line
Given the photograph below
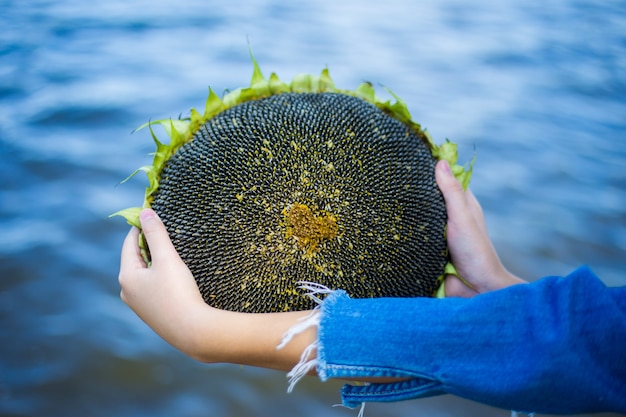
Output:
x=147 y=215
x=445 y=167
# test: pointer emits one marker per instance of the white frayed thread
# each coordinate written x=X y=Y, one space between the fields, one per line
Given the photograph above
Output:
x=314 y=289
x=361 y=409
x=305 y=364
x=304 y=323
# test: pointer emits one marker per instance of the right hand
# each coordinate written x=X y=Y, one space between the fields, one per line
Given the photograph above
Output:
x=471 y=251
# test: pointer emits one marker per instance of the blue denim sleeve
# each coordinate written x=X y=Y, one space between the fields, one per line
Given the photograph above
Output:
x=555 y=346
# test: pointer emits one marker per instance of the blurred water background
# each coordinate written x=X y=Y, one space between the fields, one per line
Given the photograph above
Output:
x=535 y=89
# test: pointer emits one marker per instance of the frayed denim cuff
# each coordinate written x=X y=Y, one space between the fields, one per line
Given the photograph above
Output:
x=355 y=395
x=352 y=395
x=554 y=346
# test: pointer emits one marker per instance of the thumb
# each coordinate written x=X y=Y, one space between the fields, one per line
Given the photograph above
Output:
x=453 y=193
x=156 y=235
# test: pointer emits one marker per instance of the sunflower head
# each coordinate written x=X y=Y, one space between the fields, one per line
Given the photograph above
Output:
x=278 y=183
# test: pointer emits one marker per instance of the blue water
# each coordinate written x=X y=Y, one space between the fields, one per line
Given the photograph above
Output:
x=536 y=90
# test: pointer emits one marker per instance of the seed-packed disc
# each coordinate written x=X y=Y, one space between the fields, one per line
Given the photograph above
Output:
x=320 y=187
x=276 y=183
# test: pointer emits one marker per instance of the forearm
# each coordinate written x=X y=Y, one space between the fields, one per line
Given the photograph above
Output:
x=247 y=339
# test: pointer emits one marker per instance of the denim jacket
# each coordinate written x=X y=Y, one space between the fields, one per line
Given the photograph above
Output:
x=556 y=346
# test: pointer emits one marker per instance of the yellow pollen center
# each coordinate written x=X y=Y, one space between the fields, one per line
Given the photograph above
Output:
x=308 y=228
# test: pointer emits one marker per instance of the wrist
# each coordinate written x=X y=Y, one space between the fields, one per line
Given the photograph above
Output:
x=506 y=279
x=204 y=339
x=514 y=279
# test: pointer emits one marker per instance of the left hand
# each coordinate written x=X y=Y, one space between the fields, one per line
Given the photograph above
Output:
x=165 y=293
x=166 y=297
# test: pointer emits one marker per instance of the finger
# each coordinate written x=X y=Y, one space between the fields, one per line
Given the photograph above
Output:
x=453 y=193
x=456 y=288
x=159 y=243
x=131 y=254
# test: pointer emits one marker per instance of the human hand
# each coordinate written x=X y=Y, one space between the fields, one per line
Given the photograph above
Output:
x=165 y=294
x=166 y=297
x=470 y=248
